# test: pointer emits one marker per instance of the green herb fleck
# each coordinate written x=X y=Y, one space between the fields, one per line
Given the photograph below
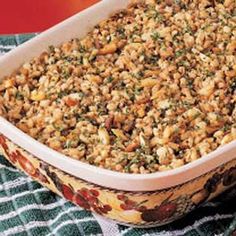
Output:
x=68 y=144
x=232 y=87
x=109 y=79
x=61 y=94
x=155 y=36
x=57 y=128
x=138 y=90
x=180 y=53
x=51 y=48
x=19 y=96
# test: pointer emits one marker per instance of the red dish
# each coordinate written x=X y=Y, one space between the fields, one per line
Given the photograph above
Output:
x=28 y=16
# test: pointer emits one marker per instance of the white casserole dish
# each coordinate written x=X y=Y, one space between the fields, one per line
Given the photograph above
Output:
x=77 y=26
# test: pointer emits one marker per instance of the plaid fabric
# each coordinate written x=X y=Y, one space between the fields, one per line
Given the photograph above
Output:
x=27 y=208
x=7 y=43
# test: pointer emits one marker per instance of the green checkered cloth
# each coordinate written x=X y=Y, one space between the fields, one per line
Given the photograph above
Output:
x=27 y=208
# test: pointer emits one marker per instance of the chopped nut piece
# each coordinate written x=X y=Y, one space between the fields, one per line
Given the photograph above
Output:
x=208 y=89
x=108 y=122
x=166 y=52
x=37 y=95
x=108 y=49
x=104 y=136
x=188 y=40
x=148 y=82
x=9 y=83
x=119 y=134
x=95 y=79
x=132 y=146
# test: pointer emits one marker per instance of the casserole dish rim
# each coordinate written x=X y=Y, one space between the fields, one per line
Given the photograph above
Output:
x=117 y=180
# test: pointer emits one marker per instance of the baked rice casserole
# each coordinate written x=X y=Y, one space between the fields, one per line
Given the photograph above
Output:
x=150 y=89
